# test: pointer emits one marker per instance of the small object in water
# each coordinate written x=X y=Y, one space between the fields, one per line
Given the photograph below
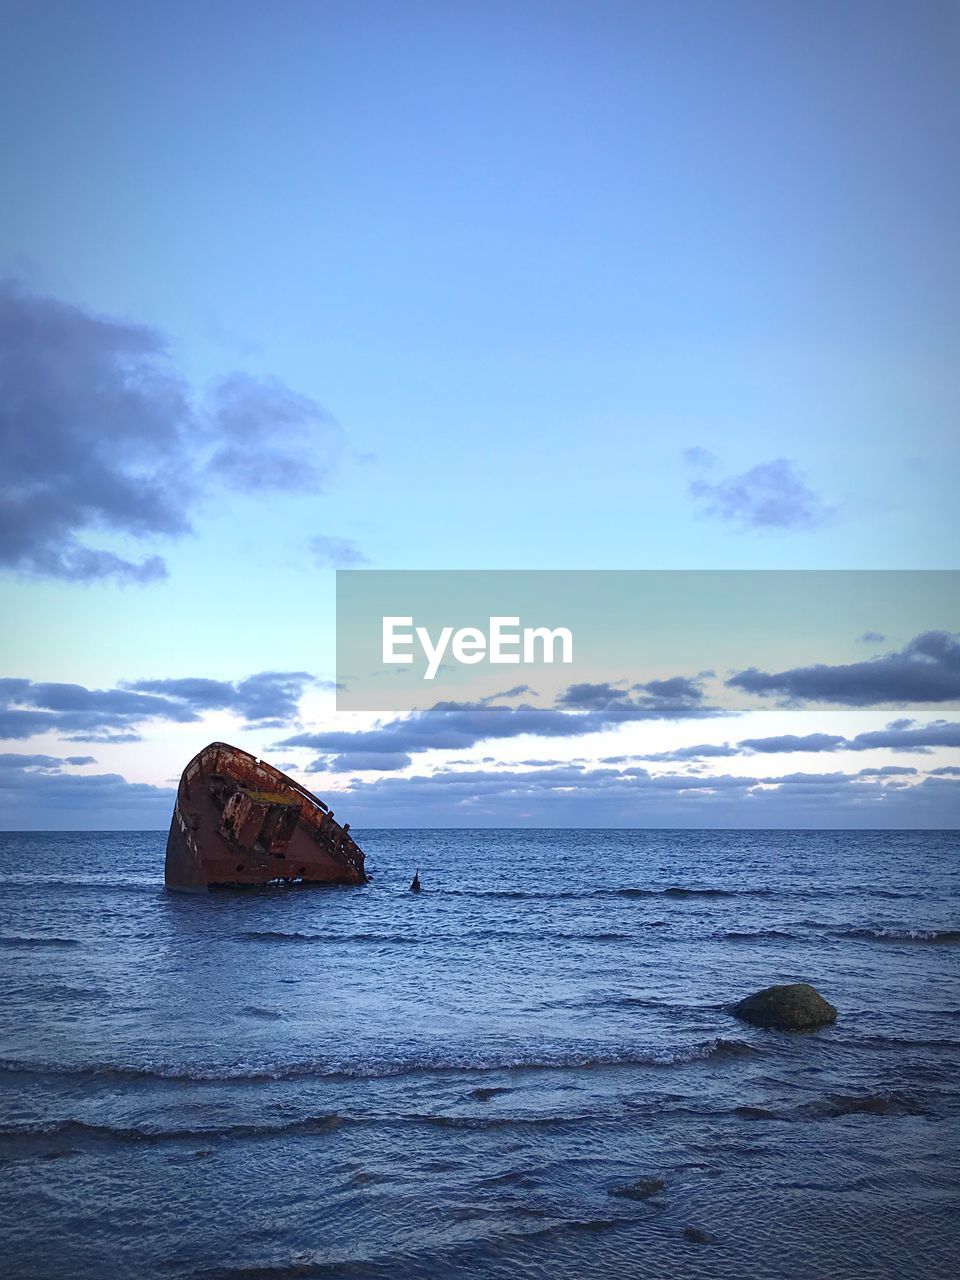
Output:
x=240 y=822
x=642 y=1189
x=696 y=1236
x=794 y=1007
x=415 y=882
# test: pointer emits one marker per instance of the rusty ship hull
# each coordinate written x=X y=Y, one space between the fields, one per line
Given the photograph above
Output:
x=240 y=823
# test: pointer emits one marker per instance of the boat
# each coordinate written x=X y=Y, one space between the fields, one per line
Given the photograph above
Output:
x=238 y=822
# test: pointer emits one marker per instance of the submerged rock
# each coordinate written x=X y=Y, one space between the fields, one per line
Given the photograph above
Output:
x=794 y=1007
x=487 y=1092
x=642 y=1189
x=696 y=1236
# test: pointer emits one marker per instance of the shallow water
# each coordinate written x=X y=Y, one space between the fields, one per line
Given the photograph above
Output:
x=367 y=1082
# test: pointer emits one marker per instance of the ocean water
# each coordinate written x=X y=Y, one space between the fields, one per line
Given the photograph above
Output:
x=370 y=1083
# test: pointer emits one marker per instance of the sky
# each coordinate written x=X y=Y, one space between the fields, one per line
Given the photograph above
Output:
x=602 y=285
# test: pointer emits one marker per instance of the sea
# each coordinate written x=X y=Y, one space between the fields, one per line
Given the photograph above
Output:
x=530 y=1069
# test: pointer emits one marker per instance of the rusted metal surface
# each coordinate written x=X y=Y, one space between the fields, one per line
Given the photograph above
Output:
x=240 y=822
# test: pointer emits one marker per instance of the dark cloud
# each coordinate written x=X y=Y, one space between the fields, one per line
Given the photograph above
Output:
x=572 y=796
x=871 y=637
x=11 y=760
x=593 y=697
x=28 y=707
x=587 y=696
x=92 y=422
x=267 y=700
x=926 y=670
x=903 y=736
x=268 y=436
x=455 y=726
x=794 y=742
x=679 y=687
x=36 y=792
x=771 y=495
x=889 y=771
x=517 y=691
x=702 y=751
x=335 y=553
x=948 y=771
x=358 y=761
x=101 y=437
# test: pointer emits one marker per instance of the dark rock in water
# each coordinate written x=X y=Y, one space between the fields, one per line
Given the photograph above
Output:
x=487 y=1092
x=755 y=1113
x=796 y=1007
x=696 y=1236
x=642 y=1189
x=896 y=1103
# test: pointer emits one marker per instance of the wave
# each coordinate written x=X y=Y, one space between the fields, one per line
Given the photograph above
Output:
x=672 y=891
x=656 y=1002
x=278 y=935
x=889 y=933
x=680 y=891
x=895 y=1042
x=240 y=1073
x=86 y=884
x=754 y=935
x=9 y=940
x=835 y=1105
x=503 y=1122
x=79 y=1130
x=683 y=891
x=415 y=939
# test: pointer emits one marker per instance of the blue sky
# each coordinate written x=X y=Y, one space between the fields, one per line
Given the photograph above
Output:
x=494 y=270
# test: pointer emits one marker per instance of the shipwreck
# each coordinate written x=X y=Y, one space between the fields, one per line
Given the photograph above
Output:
x=238 y=822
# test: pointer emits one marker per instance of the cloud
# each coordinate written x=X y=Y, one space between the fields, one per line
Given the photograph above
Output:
x=270 y=438
x=517 y=691
x=587 y=696
x=794 y=742
x=890 y=771
x=36 y=792
x=11 y=760
x=926 y=670
x=569 y=795
x=28 y=708
x=102 y=437
x=771 y=495
x=336 y=553
x=899 y=735
x=92 y=422
x=871 y=637
x=702 y=751
x=696 y=456
x=454 y=726
x=679 y=687
x=358 y=761
x=269 y=699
